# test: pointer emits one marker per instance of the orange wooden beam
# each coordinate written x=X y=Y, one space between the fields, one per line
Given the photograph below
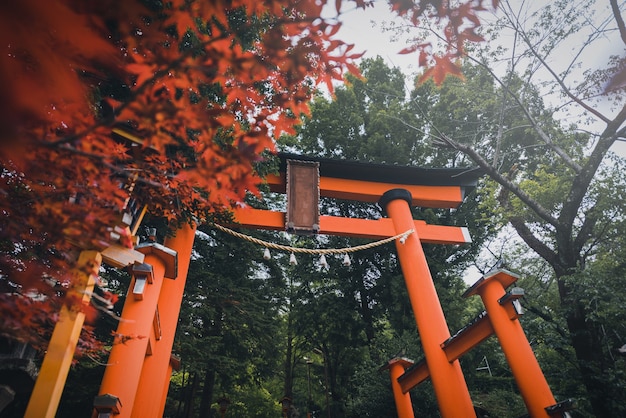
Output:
x=455 y=348
x=468 y=338
x=156 y=372
x=127 y=358
x=357 y=228
x=369 y=191
x=413 y=376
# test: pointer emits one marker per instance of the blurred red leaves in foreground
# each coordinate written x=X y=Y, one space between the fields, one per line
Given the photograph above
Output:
x=202 y=87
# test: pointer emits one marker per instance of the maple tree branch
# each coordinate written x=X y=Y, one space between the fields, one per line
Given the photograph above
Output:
x=499 y=178
x=172 y=65
x=618 y=19
x=76 y=136
x=116 y=169
x=136 y=92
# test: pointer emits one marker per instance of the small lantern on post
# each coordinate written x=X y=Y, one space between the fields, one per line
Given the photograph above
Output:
x=223 y=404
x=286 y=403
x=107 y=405
x=143 y=275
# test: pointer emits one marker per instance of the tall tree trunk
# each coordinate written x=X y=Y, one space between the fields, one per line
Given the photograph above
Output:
x=366 y=311
x=207 y=392
x=366 y=314
x=182 y=394
x=336 y=404
x=360 y=274
x=191 y=395
x=288 y=388
x=585 y=337
x=592 y=362
x=212 y=329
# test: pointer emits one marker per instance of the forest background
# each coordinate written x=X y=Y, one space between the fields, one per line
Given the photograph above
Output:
x=549 y=177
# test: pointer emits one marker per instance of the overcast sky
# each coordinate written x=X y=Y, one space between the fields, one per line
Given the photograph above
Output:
x=365 y=28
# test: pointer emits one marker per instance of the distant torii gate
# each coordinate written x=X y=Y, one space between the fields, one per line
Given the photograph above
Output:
x=136 y=381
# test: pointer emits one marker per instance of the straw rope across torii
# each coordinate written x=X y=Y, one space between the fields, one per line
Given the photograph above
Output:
x=321 y=251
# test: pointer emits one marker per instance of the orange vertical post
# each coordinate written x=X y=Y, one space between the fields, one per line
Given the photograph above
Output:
x=396 y=367
x=149 y=401
x=448 y=381
x=530 y=380
x=48 y=388
x=125 y=363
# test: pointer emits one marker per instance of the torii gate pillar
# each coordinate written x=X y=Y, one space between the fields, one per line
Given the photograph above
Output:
x=396 y=368
x=447 y=378
x=518 y=352
x=139 y=319
x=157 y=370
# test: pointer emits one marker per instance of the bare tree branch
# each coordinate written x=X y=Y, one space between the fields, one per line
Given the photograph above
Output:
x=532 y=241
x=499 y=134
x=559 y=80
x=542 y=134
x=618 y=18
x=581 y=182
x=499 y=178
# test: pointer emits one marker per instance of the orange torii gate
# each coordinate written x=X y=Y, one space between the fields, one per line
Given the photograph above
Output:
x=136 y=380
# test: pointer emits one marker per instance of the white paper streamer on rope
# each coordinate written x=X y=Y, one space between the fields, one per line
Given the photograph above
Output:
x=317 y=251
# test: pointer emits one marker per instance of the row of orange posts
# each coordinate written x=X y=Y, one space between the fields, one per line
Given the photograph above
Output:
x=441 y=351
x=140 y=364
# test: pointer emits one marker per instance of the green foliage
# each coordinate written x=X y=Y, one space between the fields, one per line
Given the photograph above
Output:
x=229 y=316
x=360 y=315
x=372 y=395
x=367 y=121
x=499 y=400
x=247 y=324
x=82 y=384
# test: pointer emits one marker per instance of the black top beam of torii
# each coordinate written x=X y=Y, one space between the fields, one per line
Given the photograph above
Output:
x=305 y=179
